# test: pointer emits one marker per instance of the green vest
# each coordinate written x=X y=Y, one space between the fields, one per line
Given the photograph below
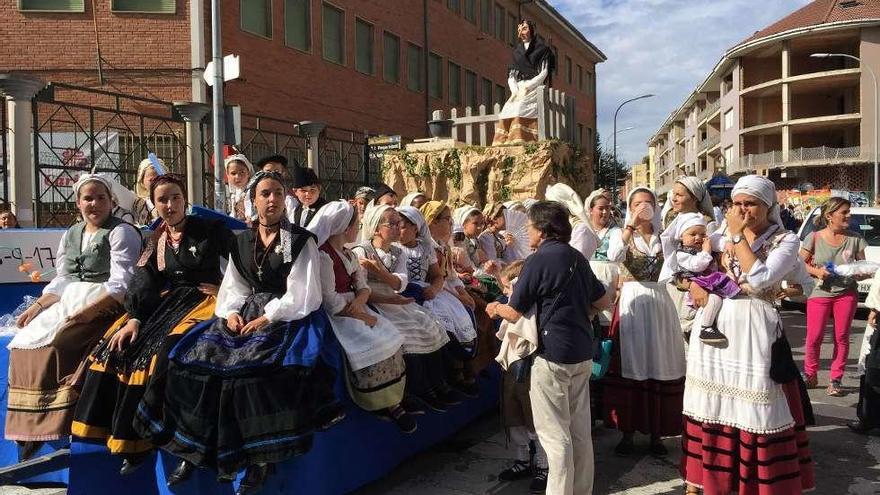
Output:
x=89 y=263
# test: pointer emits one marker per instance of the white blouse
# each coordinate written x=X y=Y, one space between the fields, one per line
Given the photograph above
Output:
x=617 y=249
x=694 y=263
x=303 y=295
x=396 y=267
x=334 y=302
x=780 y=263
x=125 y=249
x=584 y=240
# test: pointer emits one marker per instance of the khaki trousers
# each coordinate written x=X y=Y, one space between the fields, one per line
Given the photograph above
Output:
x=560 y=395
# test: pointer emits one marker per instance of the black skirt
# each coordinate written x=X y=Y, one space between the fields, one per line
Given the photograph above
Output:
x=236 y=400
x=115 y=382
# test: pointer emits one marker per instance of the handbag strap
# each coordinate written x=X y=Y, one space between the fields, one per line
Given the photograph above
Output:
x=568 y=279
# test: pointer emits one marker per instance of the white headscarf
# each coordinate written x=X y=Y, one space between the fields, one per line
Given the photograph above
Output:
x=415 y=216
x=238 y=158
x=763 y=189
x=682 y=223
x=562 y=193
x=461 y=214
x=145 y=165
x=332 y=219
x=593 y=195
x=371 y=219
x=655 y=221
x=86 y=178
x=698 y=189
x=408 y=199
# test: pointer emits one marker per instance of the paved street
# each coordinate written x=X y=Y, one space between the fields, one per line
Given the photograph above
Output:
x=469 y=462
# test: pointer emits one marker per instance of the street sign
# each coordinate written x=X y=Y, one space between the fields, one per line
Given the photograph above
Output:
x=231 y=69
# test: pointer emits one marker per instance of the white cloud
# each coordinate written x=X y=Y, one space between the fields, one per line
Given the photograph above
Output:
x=664 y=47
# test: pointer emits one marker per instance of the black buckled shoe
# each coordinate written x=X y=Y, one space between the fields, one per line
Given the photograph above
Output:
x=518 y=471
x=539 y=482
x=181 y=473
x=131 y=462
x=254 y=478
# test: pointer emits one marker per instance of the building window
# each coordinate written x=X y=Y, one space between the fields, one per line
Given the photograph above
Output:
x=256 y=17
x=470 y=90
x=454 y=77
x=415 y=71
x=579 y=137
x=589 y=142
x=144 y=6
x=363 y=42
x=333 y=34
x=728 y=119
x=52 y=5
x=499 y=22
x=486 y=15
x=728 y=156
x=555 y=57
x=512 y=34
x=454 y=5
x=391 y=58
x=589 y=83
x=500 y=96
x=580 y=76
x=298 y=24
x=470 y=11
x=569 y=70
x=435 y=76
x=487 y=94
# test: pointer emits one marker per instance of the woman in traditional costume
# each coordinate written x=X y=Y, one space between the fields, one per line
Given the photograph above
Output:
x=96 y=258
x=238 y=172
x=598 y=207
x=497 y=241
x=174 y=287
x=645 y=382
x=414 y=199
x=427 y=285
x=744 y=421
x=582 y=236
x=248 y=389
x=423 y=336
x=142 y=208
x=533 y=63
x=376 y=371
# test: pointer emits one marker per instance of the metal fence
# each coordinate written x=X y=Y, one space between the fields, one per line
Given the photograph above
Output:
x=78 y=130
x=344 y=163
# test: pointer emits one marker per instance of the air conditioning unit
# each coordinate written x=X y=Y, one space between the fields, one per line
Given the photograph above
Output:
x=793 y=173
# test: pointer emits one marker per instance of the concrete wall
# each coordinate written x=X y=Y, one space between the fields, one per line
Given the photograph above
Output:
x=869 y=52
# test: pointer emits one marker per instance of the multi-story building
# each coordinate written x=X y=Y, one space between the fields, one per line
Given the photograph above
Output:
x=380 y=67
x=773 y=104
x=639 y=175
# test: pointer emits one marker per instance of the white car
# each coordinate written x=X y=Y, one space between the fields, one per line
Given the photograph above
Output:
x=865 y=221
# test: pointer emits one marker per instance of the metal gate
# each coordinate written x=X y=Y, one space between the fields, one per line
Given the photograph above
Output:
x=344 y=162
x=78 y=130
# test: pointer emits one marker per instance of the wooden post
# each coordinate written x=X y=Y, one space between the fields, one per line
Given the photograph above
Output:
x=483 y=135
x=468 y=128
x=542 y=112
x=452 y=115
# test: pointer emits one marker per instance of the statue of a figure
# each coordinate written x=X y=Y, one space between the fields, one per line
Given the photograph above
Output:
x=533 y=63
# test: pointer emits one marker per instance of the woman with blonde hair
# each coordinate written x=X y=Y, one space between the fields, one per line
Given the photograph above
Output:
x=833 y=295
x=142 y=209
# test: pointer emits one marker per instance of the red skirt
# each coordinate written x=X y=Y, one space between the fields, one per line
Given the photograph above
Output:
x=652 y=407
x=724 y=460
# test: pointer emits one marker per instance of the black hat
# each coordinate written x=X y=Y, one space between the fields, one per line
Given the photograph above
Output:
x=303 y=177
x=382 y=190
x=272 y=158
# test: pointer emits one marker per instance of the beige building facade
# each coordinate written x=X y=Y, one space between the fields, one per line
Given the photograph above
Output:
x=771 y=107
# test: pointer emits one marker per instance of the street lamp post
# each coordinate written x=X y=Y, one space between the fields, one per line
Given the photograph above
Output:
x=874 y=79
x=614 y=149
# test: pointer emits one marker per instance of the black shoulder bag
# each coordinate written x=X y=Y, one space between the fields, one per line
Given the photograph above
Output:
x=522 y=368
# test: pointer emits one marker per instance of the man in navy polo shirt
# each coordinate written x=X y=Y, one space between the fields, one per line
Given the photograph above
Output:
x=558 y=282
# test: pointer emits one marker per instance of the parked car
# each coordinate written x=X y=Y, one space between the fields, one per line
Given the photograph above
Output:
x=865 y=221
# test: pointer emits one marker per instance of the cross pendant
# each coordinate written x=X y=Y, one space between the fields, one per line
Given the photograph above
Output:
x=260 y=273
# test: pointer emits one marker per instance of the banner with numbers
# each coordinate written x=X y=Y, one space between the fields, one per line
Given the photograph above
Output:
x=28 y=254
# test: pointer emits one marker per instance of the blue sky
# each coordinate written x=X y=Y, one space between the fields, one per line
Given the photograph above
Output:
x=665 y=47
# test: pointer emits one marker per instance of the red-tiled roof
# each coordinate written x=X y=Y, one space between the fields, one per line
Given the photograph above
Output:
x=822 y=12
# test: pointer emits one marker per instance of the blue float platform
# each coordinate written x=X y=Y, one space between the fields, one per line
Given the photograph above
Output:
x=359 y=450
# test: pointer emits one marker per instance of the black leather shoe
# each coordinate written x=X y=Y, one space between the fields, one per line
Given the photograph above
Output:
x=539 y=482
x=518 y=471
x=27 y=450
x=857 y=426
x=625 y=448
x=254 y=478
x=183 y=471
x=330 y=417
x=132 y=462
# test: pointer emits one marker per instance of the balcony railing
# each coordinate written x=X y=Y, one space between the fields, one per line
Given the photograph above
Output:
x=709 y=110
x=823 y=155
x=710 y=142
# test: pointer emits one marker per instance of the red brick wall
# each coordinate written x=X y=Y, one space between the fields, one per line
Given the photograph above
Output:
x=285 y=82
x=145 y=54
x=149 y=55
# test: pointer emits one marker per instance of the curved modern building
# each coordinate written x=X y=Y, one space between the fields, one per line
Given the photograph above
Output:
x=772 y=106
